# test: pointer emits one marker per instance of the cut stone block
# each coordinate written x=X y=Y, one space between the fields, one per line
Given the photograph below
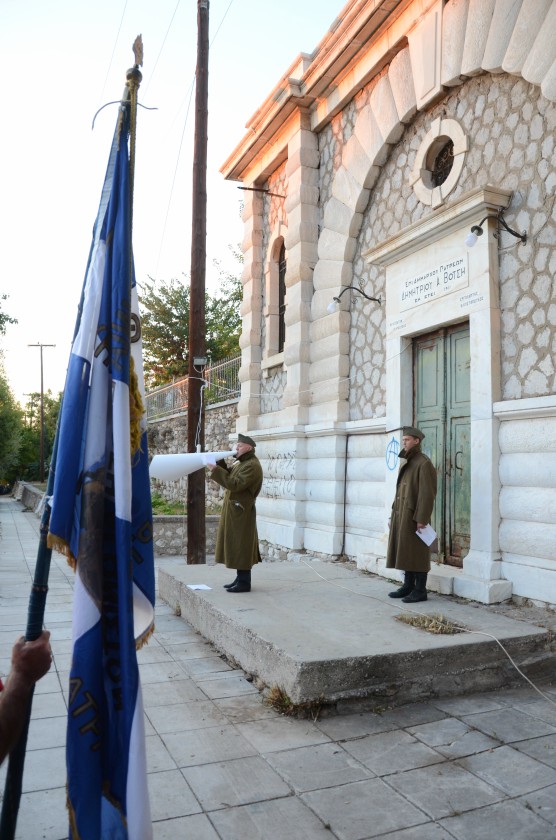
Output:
x=454 y=19
x=476 y=35
x=500 y=34
x=531 y=17
x=403 y=89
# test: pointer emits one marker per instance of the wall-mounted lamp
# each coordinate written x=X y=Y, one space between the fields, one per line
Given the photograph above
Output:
x=477 y=230
x=335 y=302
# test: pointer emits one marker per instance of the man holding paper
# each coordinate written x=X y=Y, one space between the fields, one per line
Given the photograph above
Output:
x=411 y=514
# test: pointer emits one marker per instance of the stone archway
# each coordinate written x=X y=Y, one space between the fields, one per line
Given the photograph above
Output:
x=478 y=36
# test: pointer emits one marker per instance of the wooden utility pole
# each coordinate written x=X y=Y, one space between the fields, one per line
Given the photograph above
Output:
x=41 y=454
x=196 y=530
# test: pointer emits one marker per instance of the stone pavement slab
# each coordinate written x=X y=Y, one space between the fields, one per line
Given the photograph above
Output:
x=505 y=819
x=223 y=765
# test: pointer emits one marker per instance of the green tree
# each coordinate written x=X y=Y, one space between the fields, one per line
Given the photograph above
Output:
x=11 y=424
x=4 y=317
x=29 y=454
x=223 y=318
x=165 y=329
x=165 y=325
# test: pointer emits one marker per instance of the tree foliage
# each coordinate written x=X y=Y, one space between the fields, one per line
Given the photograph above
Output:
x=29 y=455
x=165 y=325
x=4 y=317
x=11 y=424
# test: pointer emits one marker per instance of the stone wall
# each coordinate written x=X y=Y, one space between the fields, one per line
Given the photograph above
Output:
x=29 y=495
x=170 y=532
x=528 y=505
x=169 y=435
x=170 y=535
x=510 y=126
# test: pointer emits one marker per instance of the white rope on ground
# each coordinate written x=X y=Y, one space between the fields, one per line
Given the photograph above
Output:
x=440 y=620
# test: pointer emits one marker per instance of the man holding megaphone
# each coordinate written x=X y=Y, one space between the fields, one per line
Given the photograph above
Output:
x=237 y=541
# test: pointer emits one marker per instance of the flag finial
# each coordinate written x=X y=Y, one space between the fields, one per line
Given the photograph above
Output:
x=138 y=50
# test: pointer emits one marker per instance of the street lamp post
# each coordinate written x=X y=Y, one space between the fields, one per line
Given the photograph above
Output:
x=41 y=455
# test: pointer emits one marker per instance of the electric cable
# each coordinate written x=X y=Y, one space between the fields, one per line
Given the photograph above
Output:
x=113 y=51
x=190 y=94
x=440 y=620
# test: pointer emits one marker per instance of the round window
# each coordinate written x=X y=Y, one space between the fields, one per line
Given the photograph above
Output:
x=442 y=162
x=439 y=162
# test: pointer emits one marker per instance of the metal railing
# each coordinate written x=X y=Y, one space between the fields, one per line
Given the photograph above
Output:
x=223 y=385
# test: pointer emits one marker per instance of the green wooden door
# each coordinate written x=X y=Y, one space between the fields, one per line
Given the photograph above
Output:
x=442 y=408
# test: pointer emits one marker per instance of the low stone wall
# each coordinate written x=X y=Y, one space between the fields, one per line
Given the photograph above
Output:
x=169 y=532
x=170 y=535
x=28 y=495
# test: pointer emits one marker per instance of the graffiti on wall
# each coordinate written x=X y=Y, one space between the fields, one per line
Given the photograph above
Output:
x=279 y=476
x=392 y=451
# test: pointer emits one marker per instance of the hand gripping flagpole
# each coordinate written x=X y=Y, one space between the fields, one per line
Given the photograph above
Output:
x=39 y=589
x=35 y=616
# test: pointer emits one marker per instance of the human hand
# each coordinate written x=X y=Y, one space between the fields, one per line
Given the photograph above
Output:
x=421 y=525
x=31 y=660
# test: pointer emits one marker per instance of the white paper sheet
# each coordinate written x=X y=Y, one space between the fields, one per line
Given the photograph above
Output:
x=428 y=534
x=198 y=586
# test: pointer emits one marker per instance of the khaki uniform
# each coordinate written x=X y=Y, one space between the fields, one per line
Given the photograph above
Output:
x=413 y=503
x=237 y=541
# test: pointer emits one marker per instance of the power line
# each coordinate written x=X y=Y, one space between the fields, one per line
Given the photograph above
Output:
x=162 y=46
x=113 y=51
x=190 y=93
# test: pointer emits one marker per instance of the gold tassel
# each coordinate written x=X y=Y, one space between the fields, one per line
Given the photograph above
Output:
x=144 y=638
x=62 y=547
x=136 y=410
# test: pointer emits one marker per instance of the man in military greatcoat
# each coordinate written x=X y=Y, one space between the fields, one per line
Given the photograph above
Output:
x=237 y=541
x=411 y=512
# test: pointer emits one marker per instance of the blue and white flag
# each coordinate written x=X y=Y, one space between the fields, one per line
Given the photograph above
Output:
x=102 y=519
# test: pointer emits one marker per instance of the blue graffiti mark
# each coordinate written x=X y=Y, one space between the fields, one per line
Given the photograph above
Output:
x=392 y=451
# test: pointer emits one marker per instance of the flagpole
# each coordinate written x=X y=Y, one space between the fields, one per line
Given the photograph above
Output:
x=39 y=589
x=196 y=526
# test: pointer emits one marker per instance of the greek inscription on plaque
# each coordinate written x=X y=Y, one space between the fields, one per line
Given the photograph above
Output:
x=434 y=283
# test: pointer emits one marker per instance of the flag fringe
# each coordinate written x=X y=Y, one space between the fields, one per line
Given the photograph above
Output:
x=71 y=816
x=136 y=410
x=62 y=547
x=144 y=638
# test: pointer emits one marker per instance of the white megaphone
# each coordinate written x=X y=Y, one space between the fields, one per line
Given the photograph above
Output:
x=172 y=467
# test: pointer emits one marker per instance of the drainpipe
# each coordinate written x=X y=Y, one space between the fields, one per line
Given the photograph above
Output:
x=342 y=555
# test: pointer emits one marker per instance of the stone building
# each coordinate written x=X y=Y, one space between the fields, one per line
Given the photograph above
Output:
x=366 y=167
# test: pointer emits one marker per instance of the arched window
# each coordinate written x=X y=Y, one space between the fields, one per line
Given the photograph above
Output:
x=281 y=298
x=275 y=300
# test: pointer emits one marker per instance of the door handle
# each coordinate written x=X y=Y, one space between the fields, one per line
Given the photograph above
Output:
x=457 y=466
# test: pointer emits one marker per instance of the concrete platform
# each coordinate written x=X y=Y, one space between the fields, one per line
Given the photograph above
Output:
x=326 y=634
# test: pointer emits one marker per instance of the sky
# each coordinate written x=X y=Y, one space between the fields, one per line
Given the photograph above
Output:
x=62 y=60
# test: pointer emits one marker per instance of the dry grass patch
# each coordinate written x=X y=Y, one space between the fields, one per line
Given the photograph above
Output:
x=277 y=698
x=432 y=624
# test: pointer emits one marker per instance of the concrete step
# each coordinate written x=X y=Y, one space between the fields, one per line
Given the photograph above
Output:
x=328 y=635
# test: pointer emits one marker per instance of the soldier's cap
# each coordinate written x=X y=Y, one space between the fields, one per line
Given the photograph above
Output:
x=245 y=439
x=413 y=432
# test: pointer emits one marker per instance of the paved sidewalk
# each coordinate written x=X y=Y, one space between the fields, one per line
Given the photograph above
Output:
x=223 y=765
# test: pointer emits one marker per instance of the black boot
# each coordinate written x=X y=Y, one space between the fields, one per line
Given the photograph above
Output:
x=406 y=588
x=229 y=585
x=243 y=583
x=420 y=591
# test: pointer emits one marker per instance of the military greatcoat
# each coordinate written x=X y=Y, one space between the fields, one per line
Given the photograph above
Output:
x=413 y=503
x=237 y=541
